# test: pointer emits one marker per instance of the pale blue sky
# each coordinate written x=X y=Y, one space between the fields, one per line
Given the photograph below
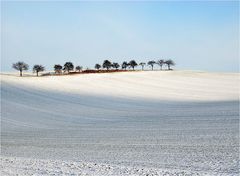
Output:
x=196 y=35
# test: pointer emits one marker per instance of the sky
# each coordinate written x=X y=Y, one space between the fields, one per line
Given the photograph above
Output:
x=196 y=35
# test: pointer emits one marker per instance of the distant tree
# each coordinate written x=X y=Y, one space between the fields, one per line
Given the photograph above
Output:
x=151 y=63
x=115 y=65
x=38 y=68
x=68 y=66
x=97 y=66
x=124 y=65
x=58 y=68
x=169 y=63
x=142 y=64
x=133 y=64
x=20 y=66
x=78 y=68
x=161 y=63
x=107 y=64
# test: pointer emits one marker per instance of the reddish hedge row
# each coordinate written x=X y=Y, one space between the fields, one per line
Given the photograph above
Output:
x=98 y=71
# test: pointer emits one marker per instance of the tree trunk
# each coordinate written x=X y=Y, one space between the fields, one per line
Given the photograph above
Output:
x=37 y=73
x=152 y=67
x=161 y=67
x=20 y=72
x=169 y=67
x=142 y=67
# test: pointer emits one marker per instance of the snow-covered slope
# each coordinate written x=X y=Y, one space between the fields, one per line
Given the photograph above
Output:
x=161 y=122
x=160 y=85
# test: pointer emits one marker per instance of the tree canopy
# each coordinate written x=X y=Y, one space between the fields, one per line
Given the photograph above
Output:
x=133 y=64
x=97 y=66
x=58 y=68
x=161 y=62
x=151 y=63
x=107 y=64
x=169 y=63
x=78 y=68
x=68 y=66
x=124 y=65
x=38 y=68
x=20 y=66
x=142 y=64
x=115 y=65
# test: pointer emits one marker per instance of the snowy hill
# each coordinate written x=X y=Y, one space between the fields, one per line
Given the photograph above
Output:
x=159 y=122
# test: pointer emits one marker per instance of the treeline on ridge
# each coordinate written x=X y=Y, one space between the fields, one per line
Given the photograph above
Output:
x=106 y=66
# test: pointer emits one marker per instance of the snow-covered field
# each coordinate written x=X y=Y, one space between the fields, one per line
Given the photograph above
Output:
x=141 y=123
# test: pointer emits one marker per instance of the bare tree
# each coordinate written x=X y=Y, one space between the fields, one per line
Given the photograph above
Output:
x=78 y=68
x=58 y=68
x=115 y=65
x=97 y=66
x=38 y=68
x=169 y=63
x=68 y=66
x=20 y=66
x=161 y=63
x=142 y=64
x=107 y=64
x=151 y=63
x=124 y=65
x=133 y=64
